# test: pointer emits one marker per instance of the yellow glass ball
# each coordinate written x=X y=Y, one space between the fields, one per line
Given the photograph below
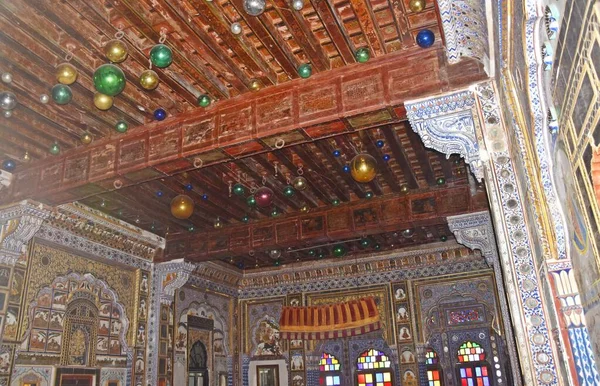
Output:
x=116 y=51
x=86 y=138
x=363 y=168
x=416 y=5
x=66 y=73
x=182 y=207
x=149 y=80
x=102 y=101
x=255 y=85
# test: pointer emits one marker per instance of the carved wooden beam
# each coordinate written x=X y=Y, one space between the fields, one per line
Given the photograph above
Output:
x=346 y=99
x=361 y=218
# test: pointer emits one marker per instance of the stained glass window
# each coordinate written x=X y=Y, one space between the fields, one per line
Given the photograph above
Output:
x=330 y=370
x=470 y=352
x=473 y=372
x=434 y=377
x=374 y=369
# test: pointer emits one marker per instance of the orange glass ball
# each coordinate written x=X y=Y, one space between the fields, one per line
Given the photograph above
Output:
x=363 y=168
x=182 y=207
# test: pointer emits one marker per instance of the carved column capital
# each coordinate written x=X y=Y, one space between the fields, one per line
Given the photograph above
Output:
x=466 y=31
x=18 y=224
x=6 y=179
x=475 y=231
x=448 y=124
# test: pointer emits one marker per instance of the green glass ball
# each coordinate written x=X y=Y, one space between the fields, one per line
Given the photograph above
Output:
x=121 y=126
x=335 y=202
x=305 y=70
x=362 y=55
x=62 y=94
x=54 y=149
x=369 y=195
x=444 y=238
x=238 y=190
x=274 y=213
x=365 y=242
x=251 y=201
x=203 y=100
x=245 y=219
x=109 y=79
x=377 y=246
x=191 y=228
x=161 y=56
x=339 y=250
x=288 y=191
x=441 y=181
x=276 y=263
x=311 y=252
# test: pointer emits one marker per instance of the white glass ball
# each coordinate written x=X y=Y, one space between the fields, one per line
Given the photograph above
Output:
x=8 y=100
x=274 y=254
x=7 y=77
x=298 y=4
x=7 y=113
x=254 y=7
x=236 y=28
x=44 y=98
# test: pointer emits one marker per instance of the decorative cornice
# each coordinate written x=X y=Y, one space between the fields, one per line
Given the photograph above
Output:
x=447 y=123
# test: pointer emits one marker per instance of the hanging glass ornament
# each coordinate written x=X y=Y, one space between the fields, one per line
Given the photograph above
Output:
x=218 y=224
x=425 y=38
x=54 y=148
x=66 y=73
x=160 y=114
x=416 y=5
x=305 y=208
x=44 y=98
x=441 y=181
x=236 y=28
x=300 y=183
x=239 y=190
x=8 y=100
x=103 y=102
x=182 y=207
x=298 y=4
x=149 y=80
x=274 y=254
x=86 y=138
x=274 y=212
x=255 y=85
x=379 y=143
x=109 y=79
x=386 y=157
x=116 y=50
x=362 y=55
x=263 y=196
x=365 y=242
x=288 y=191
x=335 y=202
x=369 y=194
x=7 y=77
x=251 y=201
x=26 y=157
x=305 y=70
x=245 y=219
x=203 y=100
x=254 y=7
x=62 y=94
x=121 y=126
x=9 y=165
x=363 y=168
x=7 y=113
x=339 y=250
x=161 y=56
x=444 y=238
x=404 y=189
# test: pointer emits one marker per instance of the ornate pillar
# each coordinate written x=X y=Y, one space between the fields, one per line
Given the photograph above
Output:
x=18 y=224
x=455 y=123
x=475 y=231
x=420 y=349
x=166 y=279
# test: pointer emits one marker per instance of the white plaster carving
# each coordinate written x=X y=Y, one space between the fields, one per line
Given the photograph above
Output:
x=18 y=224
x=6 y=179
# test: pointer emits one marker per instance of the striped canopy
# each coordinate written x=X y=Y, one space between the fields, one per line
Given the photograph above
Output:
x=330 y=321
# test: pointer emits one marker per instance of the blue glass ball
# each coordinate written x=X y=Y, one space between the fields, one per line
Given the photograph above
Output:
x=386 y=157
x=9 y=165
x=205 y=196
x=425 y=38
x=160 y=114
x=379 y=143
x=159 y=193
x=188 y=187
x=240 y=265
x=346 y=168
x=337 y=153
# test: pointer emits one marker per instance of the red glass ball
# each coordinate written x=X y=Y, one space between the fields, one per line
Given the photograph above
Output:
x=263 y=197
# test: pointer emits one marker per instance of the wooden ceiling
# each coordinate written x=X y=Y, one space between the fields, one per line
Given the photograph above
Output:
x=266 y=137
x=38 y=35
